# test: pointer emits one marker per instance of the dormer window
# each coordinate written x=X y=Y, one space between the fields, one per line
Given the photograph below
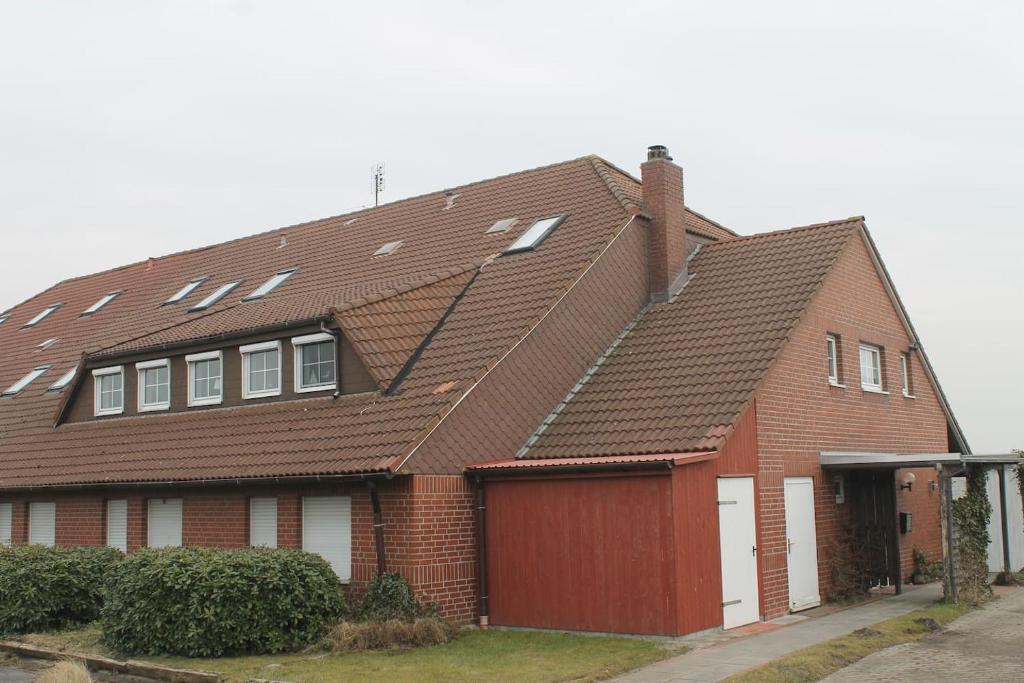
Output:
x=315 y=367
x=109 y=390
x=205 y=378
x=261 y=369
x=154 y=385
x=102 y=302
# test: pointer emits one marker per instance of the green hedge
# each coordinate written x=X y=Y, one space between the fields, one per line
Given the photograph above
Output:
x=43 y=588
x=200 y=602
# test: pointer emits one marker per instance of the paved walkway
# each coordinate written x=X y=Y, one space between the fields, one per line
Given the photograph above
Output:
x=981 y=647
x=717 y=657
x=12 y=675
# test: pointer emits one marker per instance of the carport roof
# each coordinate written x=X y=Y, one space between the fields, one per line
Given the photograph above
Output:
x=877 y=461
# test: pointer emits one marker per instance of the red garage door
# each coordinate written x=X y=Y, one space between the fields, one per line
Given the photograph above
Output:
x=587 y=553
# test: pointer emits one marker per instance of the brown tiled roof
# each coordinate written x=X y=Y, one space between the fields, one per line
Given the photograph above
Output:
x=386 y=304
x=681 y=377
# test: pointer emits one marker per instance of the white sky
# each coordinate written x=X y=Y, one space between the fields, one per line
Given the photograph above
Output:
x=138 y=128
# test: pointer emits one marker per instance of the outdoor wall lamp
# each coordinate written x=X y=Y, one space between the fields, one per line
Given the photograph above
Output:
x=908 y=481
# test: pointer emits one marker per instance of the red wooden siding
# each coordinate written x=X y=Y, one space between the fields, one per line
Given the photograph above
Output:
x=698 y=559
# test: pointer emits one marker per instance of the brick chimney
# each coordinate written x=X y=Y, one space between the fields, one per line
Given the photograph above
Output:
x=666 y=244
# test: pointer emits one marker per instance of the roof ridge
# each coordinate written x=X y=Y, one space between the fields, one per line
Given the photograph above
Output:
x=601 y=168
x=786 y=231
x=714 y=222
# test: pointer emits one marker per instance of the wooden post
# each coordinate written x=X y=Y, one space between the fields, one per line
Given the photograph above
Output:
x=897 y=566
x=946 y=520
x=1005 y=525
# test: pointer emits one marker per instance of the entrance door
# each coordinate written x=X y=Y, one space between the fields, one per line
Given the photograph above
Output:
x=802 y=543
x=738 y=541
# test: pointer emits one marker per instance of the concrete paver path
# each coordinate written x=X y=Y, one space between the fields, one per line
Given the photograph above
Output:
x=982 y=647
x=719 y=660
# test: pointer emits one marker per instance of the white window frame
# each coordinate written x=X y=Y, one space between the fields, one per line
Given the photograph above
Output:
x=63 y=380
x=106 y=299
x=267 y=505
x=42 y=315
x=117 y=513
x=190 y=360
x=275 y=281
x=191 y=286
x=866 y=383
x=140 y=369
x=247 y=352
x=905 y=373
x=832 y=358
x=23 y=383
x=535 y=235
x=216 y=295
x=34 y=513
x=320 y=337
x=97 y=384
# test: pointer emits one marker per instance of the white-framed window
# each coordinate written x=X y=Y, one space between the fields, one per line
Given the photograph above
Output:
x=63 y=380
x=535 y=234
x=32 y=376
x=163 y=523
x=42 y=314
x=117 y=524
x=261 y=369
x=205 y=378
x=870 y=367
x=154 y=385
x=107 y=298
x=327 y=531
x=263 y=522
x=270 y=285
x=832 y=353
x=315 y=362
x=42 y=523
x=216 y=296
x=908 y=384
x=186 y=290
x=839 y=487
x=109 y=390
x=6 y=522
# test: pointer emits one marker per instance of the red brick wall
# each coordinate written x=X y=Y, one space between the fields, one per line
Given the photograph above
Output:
x=799 y=414
x=429 y=528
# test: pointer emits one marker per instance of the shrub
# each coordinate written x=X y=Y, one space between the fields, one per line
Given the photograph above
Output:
x=43 y=588
x=201 y=602
x=389 y=596
x=348 y=636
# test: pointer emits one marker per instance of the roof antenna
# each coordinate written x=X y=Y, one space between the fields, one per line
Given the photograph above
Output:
x=377 y=177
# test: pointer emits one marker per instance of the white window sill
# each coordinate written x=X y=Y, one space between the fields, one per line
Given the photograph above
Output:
x=906 y=395
x=261 y=394
x=837 y=385
x=156 y=407
x=874 y=390
x=109 y=411
x=196 y=402
x=325 y=387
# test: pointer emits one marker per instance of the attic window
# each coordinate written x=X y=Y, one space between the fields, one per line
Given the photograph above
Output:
x=270 y=285
x=48 y=343
x=26 y=380
x=502 y=226
x=3 y=319
x=388 y=248
x=535 y=234
x=186 y=290
x=64 y=380
x=42 y=314
x=102 y=302
x=219 y=294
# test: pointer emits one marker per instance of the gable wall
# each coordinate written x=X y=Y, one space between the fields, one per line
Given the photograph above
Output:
x=799 y=414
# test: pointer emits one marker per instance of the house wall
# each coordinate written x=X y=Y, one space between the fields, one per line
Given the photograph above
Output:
x=799 y=414
x=429 y=527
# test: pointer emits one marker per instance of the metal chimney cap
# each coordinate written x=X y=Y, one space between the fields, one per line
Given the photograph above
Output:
x=658 y=152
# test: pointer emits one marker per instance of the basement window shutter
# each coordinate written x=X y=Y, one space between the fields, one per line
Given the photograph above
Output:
x=5 y=523
x=263 y=522
x=117 y=524
x=164 y=523
x=42 y=523
x=327 y=531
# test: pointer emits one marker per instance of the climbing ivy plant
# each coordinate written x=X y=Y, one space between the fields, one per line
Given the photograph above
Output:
x=1020 y=472
x=971 y=514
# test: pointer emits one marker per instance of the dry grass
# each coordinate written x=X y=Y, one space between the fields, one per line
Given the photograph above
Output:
x=349 y=636
x=67 y=671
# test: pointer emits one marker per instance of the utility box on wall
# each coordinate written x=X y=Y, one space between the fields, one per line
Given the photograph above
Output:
x=906 y=522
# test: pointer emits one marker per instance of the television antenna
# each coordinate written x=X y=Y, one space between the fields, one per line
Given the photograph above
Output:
x=377 y=178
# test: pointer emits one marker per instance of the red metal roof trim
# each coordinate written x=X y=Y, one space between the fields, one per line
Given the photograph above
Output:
x=675 y=459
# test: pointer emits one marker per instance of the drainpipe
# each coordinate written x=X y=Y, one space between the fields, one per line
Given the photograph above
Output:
x=481 y=550
x=1005 y=522
x=378 y=527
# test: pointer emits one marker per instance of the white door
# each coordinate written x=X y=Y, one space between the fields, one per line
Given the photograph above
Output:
x=164 y=523
x=117 y=524
x=802 y=543
x=327 y=531
x=738 y=541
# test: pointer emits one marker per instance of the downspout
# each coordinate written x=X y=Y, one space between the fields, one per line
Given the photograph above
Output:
x=481 y=550
x=378 y=527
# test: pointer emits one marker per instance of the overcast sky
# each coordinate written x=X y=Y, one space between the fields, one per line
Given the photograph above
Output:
x=137 y=128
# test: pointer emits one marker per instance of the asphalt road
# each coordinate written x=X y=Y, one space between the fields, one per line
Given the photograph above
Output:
x=9 y=675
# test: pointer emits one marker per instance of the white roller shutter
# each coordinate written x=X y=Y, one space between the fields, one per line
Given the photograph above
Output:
x=164 y=522
x=263 y=522
x=327 y=531
x=42 y=523
x=117 y=524
x=5 y=523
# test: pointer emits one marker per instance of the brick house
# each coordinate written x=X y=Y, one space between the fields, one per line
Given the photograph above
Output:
x=557 y=398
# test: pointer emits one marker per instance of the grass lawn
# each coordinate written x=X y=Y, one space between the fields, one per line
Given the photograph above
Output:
x=816 y=662
x=492 y=655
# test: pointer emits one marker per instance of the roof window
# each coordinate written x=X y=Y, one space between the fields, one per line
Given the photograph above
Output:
x=186 y=290
x=102 y=302
x=502 y=226
x=26 y=380
x=3 y=318
x=48 y=343
x=388 y=248
x=219 y=294
x=535 y=234
x=64 y=380
x=42 y=314
x=270 y=285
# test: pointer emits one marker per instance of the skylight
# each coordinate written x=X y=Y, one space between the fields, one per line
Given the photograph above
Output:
x=535 y=234
x=102 y=302
x=64 y=380
x=219 y=294
x=48 y=343
x=503 y=225
x=3 y=319
x=42 y=314
x=388 y=248
x=186 y=290
x=270 y=285
x=26 y=380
